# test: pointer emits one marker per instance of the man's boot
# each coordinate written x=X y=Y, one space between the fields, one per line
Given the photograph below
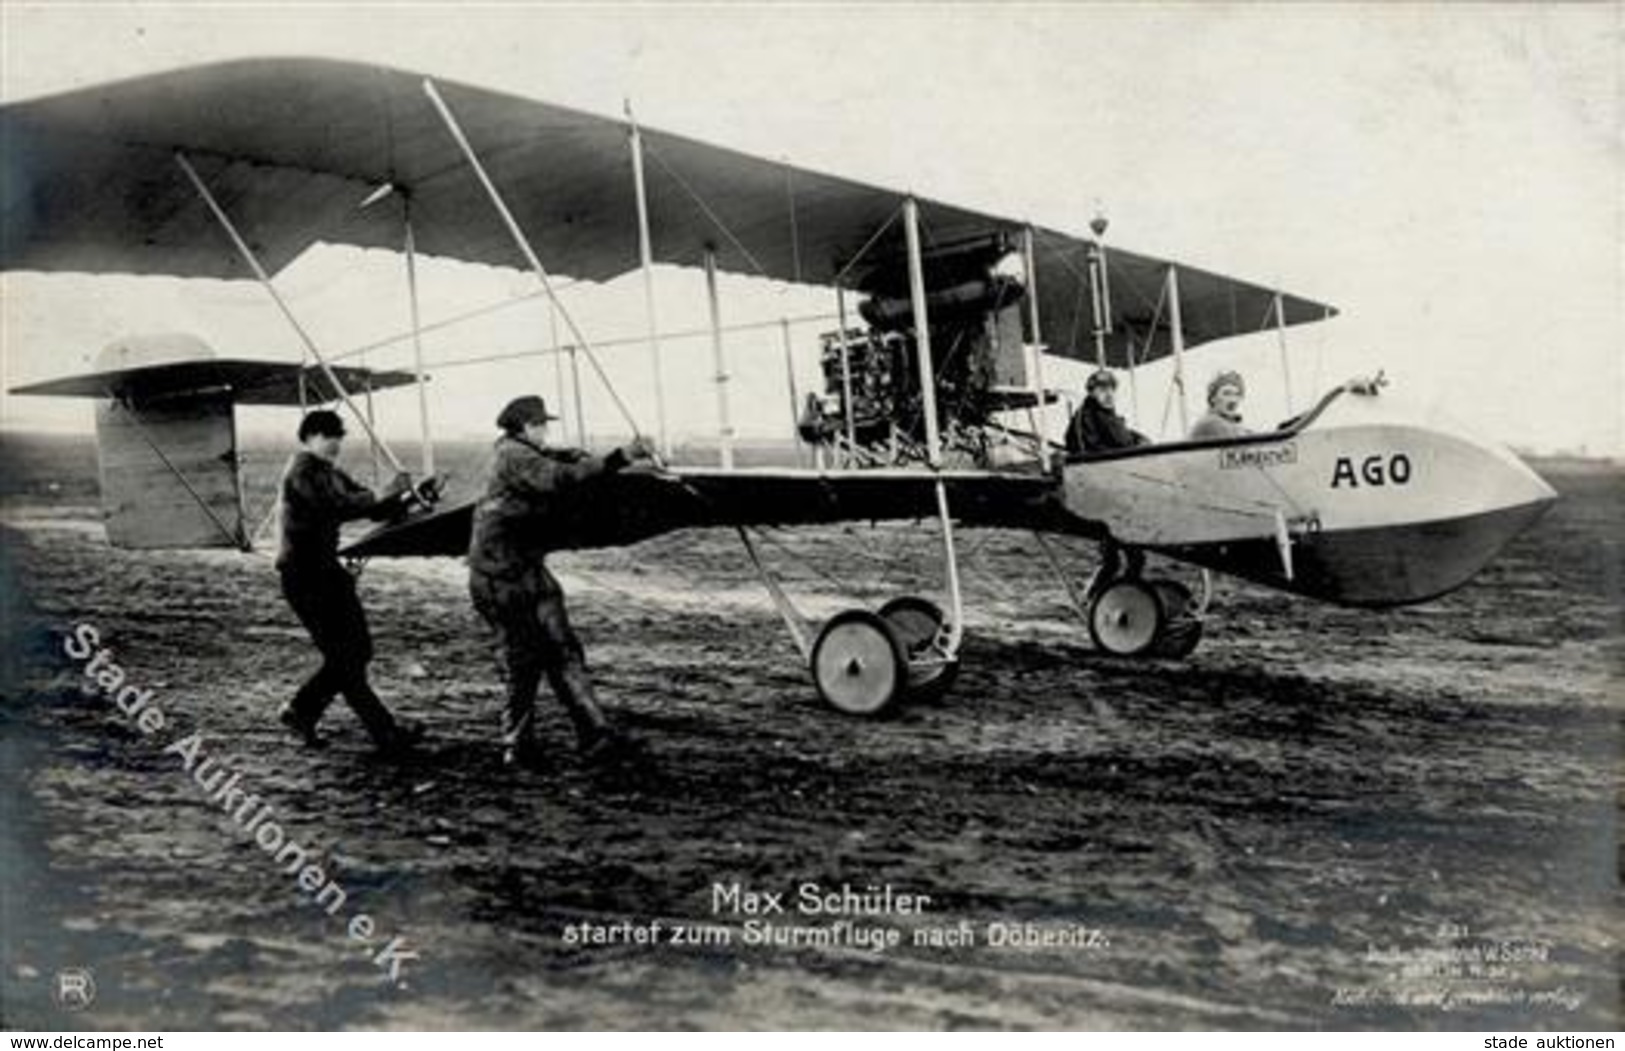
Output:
x=290 y=717
x=519 y=747
x=598 y=740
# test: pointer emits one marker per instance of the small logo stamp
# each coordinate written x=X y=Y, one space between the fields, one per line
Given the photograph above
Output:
x=74 y=989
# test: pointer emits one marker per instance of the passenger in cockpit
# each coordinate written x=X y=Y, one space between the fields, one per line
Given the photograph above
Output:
x=1223 y=419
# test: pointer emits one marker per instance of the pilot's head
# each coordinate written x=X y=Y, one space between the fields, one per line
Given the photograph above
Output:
x=525 y=417
x=1102 y=387
x=321 y=432
x=1225 y=392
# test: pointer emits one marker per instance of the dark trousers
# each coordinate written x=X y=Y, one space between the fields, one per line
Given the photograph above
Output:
x=323 y=596
x=527 y=612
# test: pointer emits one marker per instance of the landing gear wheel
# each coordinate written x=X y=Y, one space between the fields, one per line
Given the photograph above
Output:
x=1174 y=596
x=859 y=664
x=917 y=621
x=1181 y=631
x=1126 y=618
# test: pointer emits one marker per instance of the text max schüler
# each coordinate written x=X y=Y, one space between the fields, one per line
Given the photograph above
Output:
x=814 y=899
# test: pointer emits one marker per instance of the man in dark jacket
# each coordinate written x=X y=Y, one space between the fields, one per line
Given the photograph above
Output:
x=1096 y=426
x=529 y=487
x=317 y=497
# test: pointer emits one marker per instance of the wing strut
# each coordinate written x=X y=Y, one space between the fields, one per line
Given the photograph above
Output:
x=719 y=356
x=523 y=243
x=933 y=439
x=846 y=369
x=646 y=264
x=265 y=281
x=417 y=337
x=1178 y=334
x=1280 y=336
x=1030 y=261
x=790 y=378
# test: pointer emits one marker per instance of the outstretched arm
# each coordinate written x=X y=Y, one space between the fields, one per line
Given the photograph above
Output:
x=543 y=475
x=349 y=499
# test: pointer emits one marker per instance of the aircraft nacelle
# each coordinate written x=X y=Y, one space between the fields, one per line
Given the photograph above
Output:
x=1366 y=501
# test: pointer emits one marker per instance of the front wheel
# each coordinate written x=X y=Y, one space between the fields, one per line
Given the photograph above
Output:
x=1126 y=618
x=859 y=664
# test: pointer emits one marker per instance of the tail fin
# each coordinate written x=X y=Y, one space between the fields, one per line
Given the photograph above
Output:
x=169 y=472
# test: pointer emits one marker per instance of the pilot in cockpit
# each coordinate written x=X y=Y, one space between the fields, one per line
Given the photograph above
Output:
x=1096 y=426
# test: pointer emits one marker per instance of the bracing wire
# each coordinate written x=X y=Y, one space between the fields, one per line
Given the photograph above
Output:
x=716 y=220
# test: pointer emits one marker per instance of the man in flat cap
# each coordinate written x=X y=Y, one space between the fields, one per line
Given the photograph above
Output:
x=1223 y=418
x=529 y=484
x=1096 y=426
x=318 y=497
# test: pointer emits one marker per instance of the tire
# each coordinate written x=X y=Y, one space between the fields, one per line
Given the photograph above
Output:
x=1175 y=597
x=1181 y=631
x=917 y=621
x=1126 y=619
x=859 y=664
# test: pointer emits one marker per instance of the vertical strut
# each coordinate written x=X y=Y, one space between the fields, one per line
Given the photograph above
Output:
x=933 y=438
x=372 y=421
x=575 y=385
x=1177 y=332
x=1030 y=263
x=646 y=263
x=950 y=559
x=719 y=357
x=790 y=380
x=417 y=342
x=922 y=331
x=558 y=360
x=846 y=369
x=1280 y=335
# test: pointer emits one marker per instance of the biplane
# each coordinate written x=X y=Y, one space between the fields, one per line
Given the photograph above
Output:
x=935 y=405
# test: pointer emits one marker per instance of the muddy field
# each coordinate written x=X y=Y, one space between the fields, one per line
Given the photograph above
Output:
x=1326 y=818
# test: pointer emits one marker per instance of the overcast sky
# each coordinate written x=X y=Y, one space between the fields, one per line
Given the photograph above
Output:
x=1448 y=176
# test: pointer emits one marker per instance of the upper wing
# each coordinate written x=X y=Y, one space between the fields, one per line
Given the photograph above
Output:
x=634 y=505
x=293 y=146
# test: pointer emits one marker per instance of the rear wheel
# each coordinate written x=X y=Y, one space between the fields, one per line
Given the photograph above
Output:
x=1181 y=630
x=917 y=622
x=1126 y=618
x=859 y=664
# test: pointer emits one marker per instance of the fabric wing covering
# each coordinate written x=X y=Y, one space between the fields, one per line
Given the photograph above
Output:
x=292 y=147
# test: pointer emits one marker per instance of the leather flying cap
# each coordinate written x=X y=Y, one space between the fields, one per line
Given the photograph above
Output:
x=1229 y=377
x=522 y=410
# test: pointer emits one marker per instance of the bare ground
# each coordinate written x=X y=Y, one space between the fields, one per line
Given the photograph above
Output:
x=1268 y=835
